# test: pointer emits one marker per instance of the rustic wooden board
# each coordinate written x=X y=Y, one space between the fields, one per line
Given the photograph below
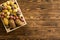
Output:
x=43 y=18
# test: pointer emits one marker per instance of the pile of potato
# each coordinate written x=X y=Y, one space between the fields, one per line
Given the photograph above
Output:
x=10 y=14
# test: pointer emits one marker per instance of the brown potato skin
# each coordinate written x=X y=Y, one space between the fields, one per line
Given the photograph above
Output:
x=12 y=23
x=18 y=22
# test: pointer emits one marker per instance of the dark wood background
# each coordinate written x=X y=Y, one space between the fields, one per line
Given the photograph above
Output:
x=43 y=21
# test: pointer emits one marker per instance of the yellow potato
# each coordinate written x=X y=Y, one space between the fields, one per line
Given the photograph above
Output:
x=15 y=14
x=7 y=17
x=5 y=10
x=10 y=10
x=7 y=14
x=15 y=10
x=8 y=2
x=11 y=3
x=5 y=21
x=15 y=6
x=4 y=4
x=9 y=7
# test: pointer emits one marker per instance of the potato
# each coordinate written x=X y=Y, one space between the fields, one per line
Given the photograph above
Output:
x=10 y=10
x=4 y=4
x=11 y=23
x=8 y=13
x=18 y=22
x=11 y=3
x=8 y=2
x=5 y=20
x=15 y=6
x=9 y=7
x=15 y=10
x=5 y=10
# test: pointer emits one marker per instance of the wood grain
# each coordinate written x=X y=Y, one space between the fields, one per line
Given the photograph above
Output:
x=43 y=18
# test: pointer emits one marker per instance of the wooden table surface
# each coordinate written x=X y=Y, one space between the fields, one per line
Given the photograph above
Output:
x=43 y=21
